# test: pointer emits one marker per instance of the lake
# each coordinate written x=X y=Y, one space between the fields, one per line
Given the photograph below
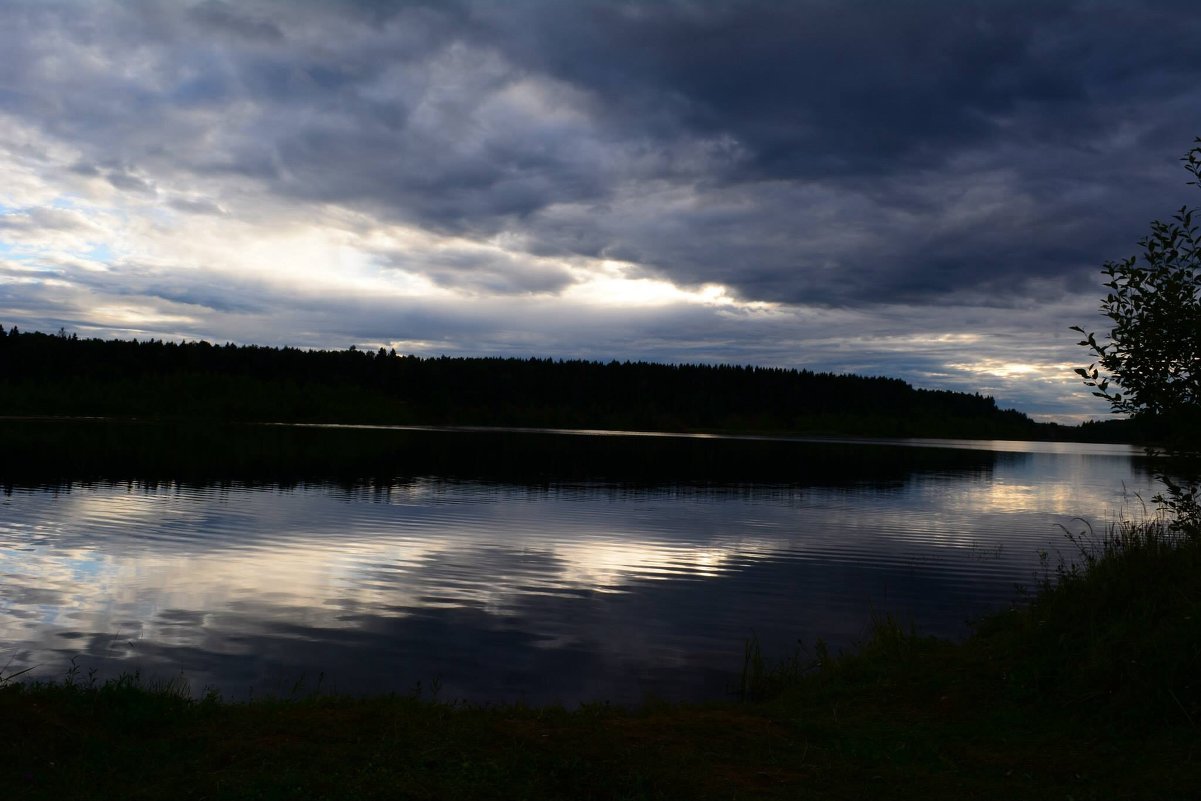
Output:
x=509 y=565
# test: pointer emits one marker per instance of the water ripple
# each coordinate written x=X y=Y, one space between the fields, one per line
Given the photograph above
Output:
x=562 y=592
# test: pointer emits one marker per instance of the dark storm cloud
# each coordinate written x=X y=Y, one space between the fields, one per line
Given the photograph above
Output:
x=828 y=152
x=802 y=152
x=225 y=19
x=906 y=115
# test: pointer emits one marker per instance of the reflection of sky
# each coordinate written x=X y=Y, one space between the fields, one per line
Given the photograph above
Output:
x=507 y=592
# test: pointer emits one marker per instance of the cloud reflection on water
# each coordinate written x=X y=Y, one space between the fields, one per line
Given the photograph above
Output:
x=507 y=592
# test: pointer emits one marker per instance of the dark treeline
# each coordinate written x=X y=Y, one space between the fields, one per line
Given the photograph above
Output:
x=44 y=374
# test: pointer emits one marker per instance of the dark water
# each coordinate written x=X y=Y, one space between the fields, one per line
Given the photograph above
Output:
x=519 y=566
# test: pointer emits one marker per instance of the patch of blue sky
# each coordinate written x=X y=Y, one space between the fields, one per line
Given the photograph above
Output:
x=99 y=252
x=9 y=250
x=21 y=252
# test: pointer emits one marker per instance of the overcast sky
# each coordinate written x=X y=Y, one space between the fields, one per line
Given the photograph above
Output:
x=924 y=190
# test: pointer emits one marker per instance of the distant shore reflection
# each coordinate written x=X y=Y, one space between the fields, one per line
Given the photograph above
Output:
x=554 y=592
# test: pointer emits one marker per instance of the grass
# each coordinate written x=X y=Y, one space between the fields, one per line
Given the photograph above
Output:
x=1088 y=691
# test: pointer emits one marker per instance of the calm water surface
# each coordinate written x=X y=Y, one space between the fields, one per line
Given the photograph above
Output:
x=537 y=591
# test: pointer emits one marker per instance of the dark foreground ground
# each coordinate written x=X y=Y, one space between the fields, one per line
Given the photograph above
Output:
x=1092 y=690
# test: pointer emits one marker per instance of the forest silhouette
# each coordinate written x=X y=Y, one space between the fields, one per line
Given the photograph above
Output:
x=65 y=375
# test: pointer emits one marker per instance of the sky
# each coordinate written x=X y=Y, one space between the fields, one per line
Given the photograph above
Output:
x=924 y=190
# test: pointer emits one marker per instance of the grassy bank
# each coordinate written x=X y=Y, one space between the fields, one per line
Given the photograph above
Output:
x=1091 y=690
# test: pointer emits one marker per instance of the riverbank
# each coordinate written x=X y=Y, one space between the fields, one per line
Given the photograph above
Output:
x=1090 y=690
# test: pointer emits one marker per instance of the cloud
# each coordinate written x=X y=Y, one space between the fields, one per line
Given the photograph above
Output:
x=195 y=206
x=223 y=19
x=130 y=183
x=971 y=163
